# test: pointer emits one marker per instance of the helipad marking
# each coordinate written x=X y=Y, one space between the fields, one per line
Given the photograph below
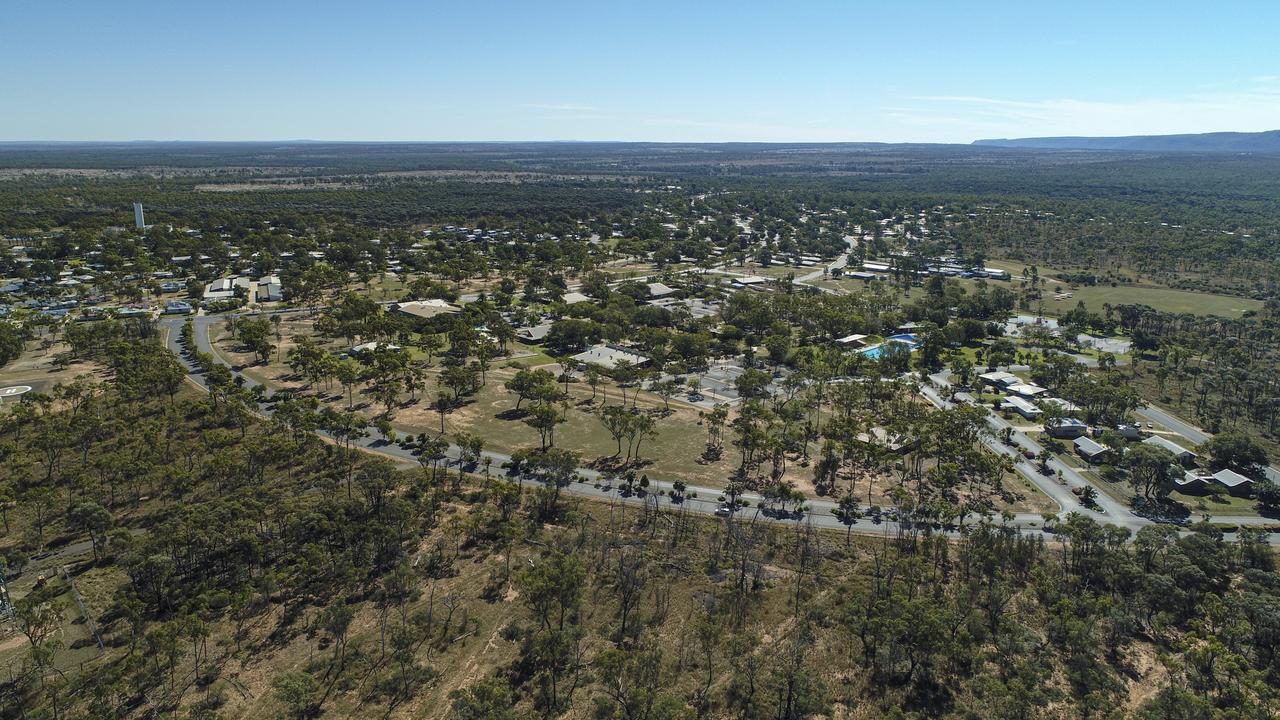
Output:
x=14 y=390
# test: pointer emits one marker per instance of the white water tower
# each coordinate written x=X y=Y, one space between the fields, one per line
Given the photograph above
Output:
x=138 y=221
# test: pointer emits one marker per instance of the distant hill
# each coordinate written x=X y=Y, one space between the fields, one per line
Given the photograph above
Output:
x=1232 y=142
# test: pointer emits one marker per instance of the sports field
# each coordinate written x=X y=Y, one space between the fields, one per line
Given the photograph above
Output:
x=1160 y=298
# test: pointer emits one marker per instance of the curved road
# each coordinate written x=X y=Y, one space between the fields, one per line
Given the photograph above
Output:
x=821 y=513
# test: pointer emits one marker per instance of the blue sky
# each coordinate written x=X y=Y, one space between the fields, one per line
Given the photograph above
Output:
x=696 y=70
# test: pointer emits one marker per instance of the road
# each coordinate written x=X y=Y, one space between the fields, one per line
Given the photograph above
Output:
x=1109 y=509
x=838 y=264
x=704 y=500
x=1155 y=415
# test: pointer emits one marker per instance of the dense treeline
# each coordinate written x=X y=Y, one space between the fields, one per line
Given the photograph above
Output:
x=1221 y=372
x=1162 y=215
x=36 y=204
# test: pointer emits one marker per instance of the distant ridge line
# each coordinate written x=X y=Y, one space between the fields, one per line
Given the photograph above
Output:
x=1220 y=142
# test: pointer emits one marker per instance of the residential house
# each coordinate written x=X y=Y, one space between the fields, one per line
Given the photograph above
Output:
x=1235 y=483
x=534 y=334
x=1021 y=406
x=852 y=341
x=1192 y=482
x=1065 y=406
x=1026 y=390
x=1129 y=432
x=1091 y=451
x=999 y=379
x=1184 y=456
x=1065 y=428
x=749 y=281
x=657 y=290
x=268 y=292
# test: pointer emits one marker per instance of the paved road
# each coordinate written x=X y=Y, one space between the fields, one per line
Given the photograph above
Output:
x=1110 y=510
x=703 y=500
x=838 y=264
x=1154 y=414
x=1048 y=485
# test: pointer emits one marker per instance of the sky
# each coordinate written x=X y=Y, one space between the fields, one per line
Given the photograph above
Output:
x=653 y=70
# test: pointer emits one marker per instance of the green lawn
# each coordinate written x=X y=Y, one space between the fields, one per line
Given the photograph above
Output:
x=1160 y=298
x=1196 y=504
x=528 y=355
x=673 y=454
x=1216 y=504
x=388 y=287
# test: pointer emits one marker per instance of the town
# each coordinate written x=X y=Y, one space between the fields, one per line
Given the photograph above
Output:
x=687 y=420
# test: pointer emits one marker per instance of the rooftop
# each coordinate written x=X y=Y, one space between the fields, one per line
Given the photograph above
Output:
x=426 y=308
x=1025 y=389
x=1021 y=405
x=851 y=339
x=608 y=356
x=1090 y=447
x=1169 y=445
x=1231 y=478
x=658 y=289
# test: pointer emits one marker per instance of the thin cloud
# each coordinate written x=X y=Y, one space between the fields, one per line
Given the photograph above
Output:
x=1255 y=109
x=561 y=107
x=756 y=131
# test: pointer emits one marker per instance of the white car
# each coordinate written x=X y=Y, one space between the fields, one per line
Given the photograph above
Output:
x=724 y=511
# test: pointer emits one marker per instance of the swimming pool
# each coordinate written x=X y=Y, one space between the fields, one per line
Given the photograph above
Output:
x=875 y=351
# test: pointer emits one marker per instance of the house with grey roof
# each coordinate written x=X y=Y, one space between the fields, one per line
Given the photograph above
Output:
x=657 y=290
x=1066 y=428
x=1091 y=451
x=535 y=333
x=999 y=379
x=1026 y=390
x=1184 y=456
x=1021 y=406
x=1235 y=483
